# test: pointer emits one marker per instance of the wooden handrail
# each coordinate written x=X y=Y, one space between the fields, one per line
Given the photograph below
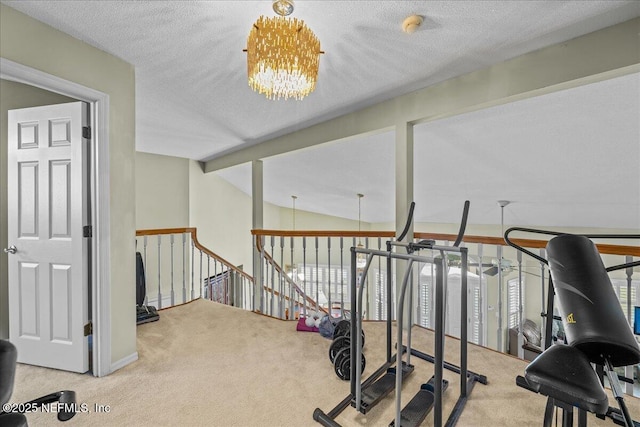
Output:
x=604 y=248
x=194 y=237
x=322 y=233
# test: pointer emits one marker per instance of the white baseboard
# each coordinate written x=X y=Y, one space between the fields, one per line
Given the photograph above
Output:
x=124 y=362
x=166 y=300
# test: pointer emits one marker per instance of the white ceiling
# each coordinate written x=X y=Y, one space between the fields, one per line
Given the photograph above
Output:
x=568 y=158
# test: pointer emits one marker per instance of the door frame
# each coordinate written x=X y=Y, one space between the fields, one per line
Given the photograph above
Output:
x=99 y=203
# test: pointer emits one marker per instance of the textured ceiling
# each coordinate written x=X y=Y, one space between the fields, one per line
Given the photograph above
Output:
x=192 y=100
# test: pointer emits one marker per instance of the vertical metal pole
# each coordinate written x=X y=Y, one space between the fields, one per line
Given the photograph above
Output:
x=262 y=283
x=432 y=298
x=317 y=277
x=543 y=319
x=379 y=284
x=329 y=275
x=628 y=370
x=520 y=308
x=406 y=282
x=281 y=283
x=291 y=288
x=463 y=321
x=499 y=345
x=410 y=307
x=159 y=281
x=481 y=318
x=193 y=248
x=629 y=273
x=355 y=390
x=208 y=280
x=215 y=272
x=184 y=268
x=304 y=275
x=420 y=318
x=201 y=281
x=389 y=304
x=341 y=277
x=439 y=340
x=273 y=283
x=356 y=356
x=173 y=295
x=144 y=248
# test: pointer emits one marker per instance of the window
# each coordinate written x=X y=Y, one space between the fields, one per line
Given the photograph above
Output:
x=621 y=288
x=513 y=303
x=326 y=280
x=475 y=305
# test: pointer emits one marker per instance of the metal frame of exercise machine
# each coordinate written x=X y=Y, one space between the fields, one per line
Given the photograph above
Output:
x=366 y=394
x=618 y=416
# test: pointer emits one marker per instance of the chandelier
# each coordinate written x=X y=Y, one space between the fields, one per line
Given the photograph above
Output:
x=283 y=55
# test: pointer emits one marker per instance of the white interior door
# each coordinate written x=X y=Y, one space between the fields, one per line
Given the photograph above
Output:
x=47 y=210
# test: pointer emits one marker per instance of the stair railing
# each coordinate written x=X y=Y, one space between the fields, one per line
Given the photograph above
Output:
x=505 y=288
x=179 y=269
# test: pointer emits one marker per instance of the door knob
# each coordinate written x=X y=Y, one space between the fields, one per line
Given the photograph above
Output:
x=10 y=250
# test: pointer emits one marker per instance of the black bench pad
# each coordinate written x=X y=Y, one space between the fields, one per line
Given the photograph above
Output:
x=564 y=373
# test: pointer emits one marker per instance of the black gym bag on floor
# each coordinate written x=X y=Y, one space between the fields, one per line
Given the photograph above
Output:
x=144 y=313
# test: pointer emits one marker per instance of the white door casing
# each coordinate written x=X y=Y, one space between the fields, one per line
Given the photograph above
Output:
x=47 y=201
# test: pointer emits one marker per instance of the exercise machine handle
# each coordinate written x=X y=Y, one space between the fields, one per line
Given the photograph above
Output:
x=463 y=223
x=558 y=233
x=408 y=224
x=520 y=248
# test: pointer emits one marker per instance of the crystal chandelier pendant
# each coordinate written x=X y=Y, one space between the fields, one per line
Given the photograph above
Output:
x=283 y=55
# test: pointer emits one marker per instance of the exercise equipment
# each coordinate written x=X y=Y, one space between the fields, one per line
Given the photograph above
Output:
x=342 y=363
x=366 y=394
x=12 y=415
x=596 y=332
x=421 y=404
x=340 y=358
x=342 y=328
x=144 y=313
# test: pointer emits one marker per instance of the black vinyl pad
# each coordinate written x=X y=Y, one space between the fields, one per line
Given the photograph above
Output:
x=565 y=373
x=8 y=356
x=591 y=314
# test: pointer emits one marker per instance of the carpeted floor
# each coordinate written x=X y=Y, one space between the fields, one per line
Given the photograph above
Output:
x=205 y=364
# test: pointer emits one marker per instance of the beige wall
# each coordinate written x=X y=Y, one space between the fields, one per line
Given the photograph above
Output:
x=29 y=42
x=12 y=96
x=222 y=215
x=162 y=191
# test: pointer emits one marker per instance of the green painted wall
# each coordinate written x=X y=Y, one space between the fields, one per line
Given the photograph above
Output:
x=30 y=42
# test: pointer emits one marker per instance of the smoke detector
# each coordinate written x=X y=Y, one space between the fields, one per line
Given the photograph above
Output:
x=411 y=23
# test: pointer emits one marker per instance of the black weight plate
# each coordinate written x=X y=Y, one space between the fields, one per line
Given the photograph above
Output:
x=345 y=367
x=342 y=364
x=343 y=328
x=337 y=345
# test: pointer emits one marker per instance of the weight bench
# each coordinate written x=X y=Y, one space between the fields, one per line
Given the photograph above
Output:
x=597 y=333
x=13 y=415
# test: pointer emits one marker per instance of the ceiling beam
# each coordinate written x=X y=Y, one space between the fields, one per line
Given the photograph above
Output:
x=597 y=56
